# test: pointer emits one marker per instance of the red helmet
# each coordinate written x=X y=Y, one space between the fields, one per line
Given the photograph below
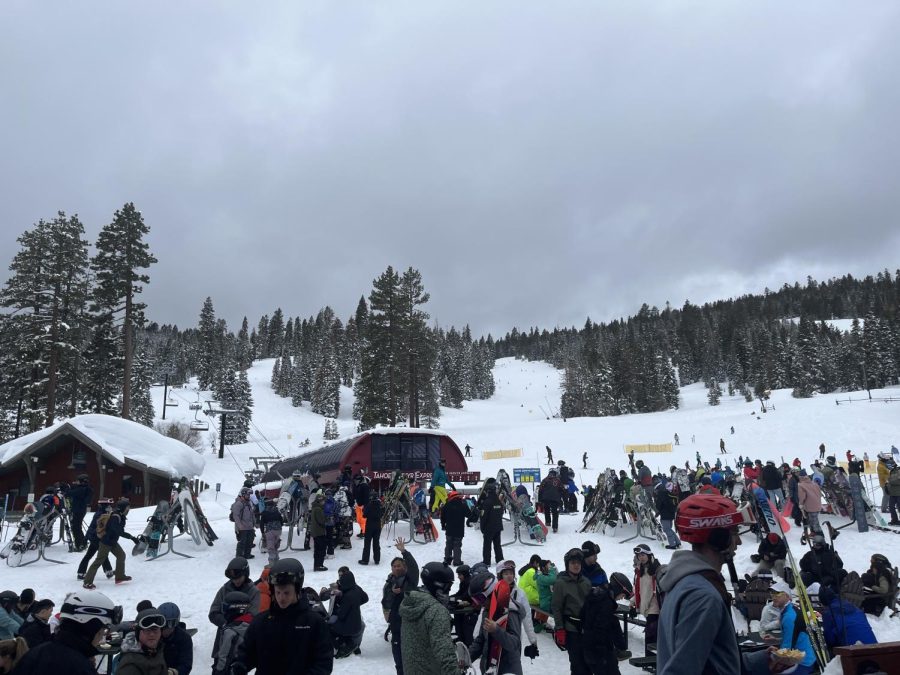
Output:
x=453 y=494
x=701 y=514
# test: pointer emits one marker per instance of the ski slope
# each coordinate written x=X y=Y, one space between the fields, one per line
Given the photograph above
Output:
x=515 y=417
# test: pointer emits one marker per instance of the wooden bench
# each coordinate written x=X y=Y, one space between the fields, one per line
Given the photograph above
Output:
x=857 y=659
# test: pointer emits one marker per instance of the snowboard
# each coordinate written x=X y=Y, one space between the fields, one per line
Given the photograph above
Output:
x=498 y=610
x=153 y=522
x=421 y=517
x=859 y=506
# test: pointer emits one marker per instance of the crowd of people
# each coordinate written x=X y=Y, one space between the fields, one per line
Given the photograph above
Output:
x=445 y=614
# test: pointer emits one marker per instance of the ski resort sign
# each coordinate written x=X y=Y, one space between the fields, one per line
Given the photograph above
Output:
x=467 y=477
x=526 y=475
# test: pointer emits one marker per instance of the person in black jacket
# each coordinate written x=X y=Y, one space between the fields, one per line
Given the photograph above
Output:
x=823 y=565
x=36 y=629
x=603 y=638
x=290 y=638
x=361 y=495
x=103 y=507
x=490 y=511
x=465 y=613
x=109 y=543
x=403 y=579
x=665 y=505
x=771 y=555
x=79 y=495
x=372 y=513
x=346 y=622
x=551 y=492
x=771 y=480
x=453 y=521
x=178 y=646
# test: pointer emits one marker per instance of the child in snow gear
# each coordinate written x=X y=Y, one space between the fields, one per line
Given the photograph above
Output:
x=236 y=610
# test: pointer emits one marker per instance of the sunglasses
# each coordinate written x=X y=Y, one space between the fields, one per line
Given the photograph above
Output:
x=152 y=621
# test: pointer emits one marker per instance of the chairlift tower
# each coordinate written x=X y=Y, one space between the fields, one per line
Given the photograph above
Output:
x=224 y=412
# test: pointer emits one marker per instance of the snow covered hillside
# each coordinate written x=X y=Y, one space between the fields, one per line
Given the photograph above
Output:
x=516 y=417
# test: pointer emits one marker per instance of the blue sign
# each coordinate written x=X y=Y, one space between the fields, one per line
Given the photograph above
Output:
x=526 y=475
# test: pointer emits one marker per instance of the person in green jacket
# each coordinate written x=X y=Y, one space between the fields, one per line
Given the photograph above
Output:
x=142 y=652
x=545 y=578
x=527 y=582
x=569 y=593
x=426 y=642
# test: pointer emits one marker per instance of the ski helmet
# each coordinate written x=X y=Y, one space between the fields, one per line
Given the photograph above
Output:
x=234 y=604
x=123 y=505
x=504 y=565
x=481 y=586
x=642 y=549
x=238 y=567
x=49 y=490
x=297 y=475
x=437 y=576
x=551 y=472
x=246 y=492
x=589 y=548
x=82 y=478
x=620 y=585
x=171 y=612
x=573 y=554
x=748 y=462
x=830 y=460
x=701 y=515
x=287 y=571
x=464 y=570
x=86 y=606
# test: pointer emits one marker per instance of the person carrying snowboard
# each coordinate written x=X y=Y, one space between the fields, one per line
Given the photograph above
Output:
x=498 y=641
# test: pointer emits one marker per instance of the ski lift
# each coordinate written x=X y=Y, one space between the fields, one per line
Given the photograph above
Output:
x=172 y=402
x=194 y=406
x=199 y=425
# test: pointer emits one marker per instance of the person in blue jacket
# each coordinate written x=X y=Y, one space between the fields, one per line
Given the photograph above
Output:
x=10 y=622
x=843 y=622
x=793 y=635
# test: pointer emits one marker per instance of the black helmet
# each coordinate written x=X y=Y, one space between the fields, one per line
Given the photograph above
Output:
x=82 y=478
x=748 y=462
x=123 y=504
x=287 y=571
x=589 y=548
x=619 y=585
x=297 y=475
x=238 y=567
x=640 y=462
x=551 y=472
x=561 y=462
x=831 y=459
x=50 y=490
x=573 y=554
x=234 y=604
x=437 y=576
x=481 y=586
x=464 y=570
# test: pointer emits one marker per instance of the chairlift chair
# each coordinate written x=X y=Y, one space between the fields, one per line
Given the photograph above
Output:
x=199 y=425
x=194 y=406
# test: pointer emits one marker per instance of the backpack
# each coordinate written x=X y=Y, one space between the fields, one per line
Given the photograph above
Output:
x=894 y=478
x=100 y=528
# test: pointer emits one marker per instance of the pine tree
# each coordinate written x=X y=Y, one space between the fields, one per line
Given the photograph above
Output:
x=244 y=347
x=208 y=358
x=807 y=367
x=121 y=255
x=669 y=385
x=141 y=404
x=714 y=393
x=104 y=358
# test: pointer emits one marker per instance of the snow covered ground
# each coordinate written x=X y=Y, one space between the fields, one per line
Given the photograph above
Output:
x=516 y=417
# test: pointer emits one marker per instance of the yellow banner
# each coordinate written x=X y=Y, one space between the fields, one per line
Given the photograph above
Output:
x=870 y=466
x=648 y=447
x=501 y=454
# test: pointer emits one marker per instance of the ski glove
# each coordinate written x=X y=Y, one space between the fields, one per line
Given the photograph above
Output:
x=531 y=651
x=559 y=637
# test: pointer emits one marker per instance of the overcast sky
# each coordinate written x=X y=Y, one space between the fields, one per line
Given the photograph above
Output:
x=537 y=162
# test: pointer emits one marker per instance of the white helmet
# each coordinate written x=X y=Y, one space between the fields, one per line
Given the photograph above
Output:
x=84 y=606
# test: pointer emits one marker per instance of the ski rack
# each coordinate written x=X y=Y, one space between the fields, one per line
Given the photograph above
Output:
x=391 y=528
x=640 y=527
x=170 y=548
x=41 y=554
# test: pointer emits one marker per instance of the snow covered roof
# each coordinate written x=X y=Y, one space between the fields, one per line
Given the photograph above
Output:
x=121 y=441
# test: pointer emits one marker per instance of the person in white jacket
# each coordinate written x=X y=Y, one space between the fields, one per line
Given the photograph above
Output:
x=506 y=570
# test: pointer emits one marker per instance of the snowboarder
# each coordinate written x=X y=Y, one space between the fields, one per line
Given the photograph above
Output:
x=490 y=511
x=821 y=451
x=468 y=450
x=722 y=443
x=113 y=528
x=549 y=455
x=676 y=440
x=584 y=459
x=732 y=430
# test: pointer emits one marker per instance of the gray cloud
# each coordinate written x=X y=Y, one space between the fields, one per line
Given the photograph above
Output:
x=538 y=164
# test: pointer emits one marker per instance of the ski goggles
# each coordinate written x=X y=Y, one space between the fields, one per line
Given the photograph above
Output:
x=283 y=579
x=84 y=613
x=152 y=621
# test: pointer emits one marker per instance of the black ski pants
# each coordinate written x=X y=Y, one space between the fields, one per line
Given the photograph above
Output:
x=244 y=548
x=551 y=515
x=372 y=539
x=492 y=539
x=319 y=545
x=78 y=529
x=93 y=546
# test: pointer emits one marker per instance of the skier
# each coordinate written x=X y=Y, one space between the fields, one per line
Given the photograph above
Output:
x=822 y=564
x=809 y=497
x=770 y=555
x=404 y=577
x=440 y=484
x=244 y=523
x=584 y=460
x=453 y=521
x=722 y=444
x=290 y=637
x=79 y=495
x=493 y=596
x=104 y=505
x=549 y=455
x=372 y=539
x=427 y=645
x=361 y=492
x=468 y=450
x=604 y=642
x=109 y=543
x=821 y=451
x=490 y=510
x=665 y=502
x=771 y=483
x=696 y=633
x=551 y=495
x=699 y=461
x=569 y=593
x=84 y=619
x=518 y=599
x=732 y=431
x=318 y=531
x=676 y=440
